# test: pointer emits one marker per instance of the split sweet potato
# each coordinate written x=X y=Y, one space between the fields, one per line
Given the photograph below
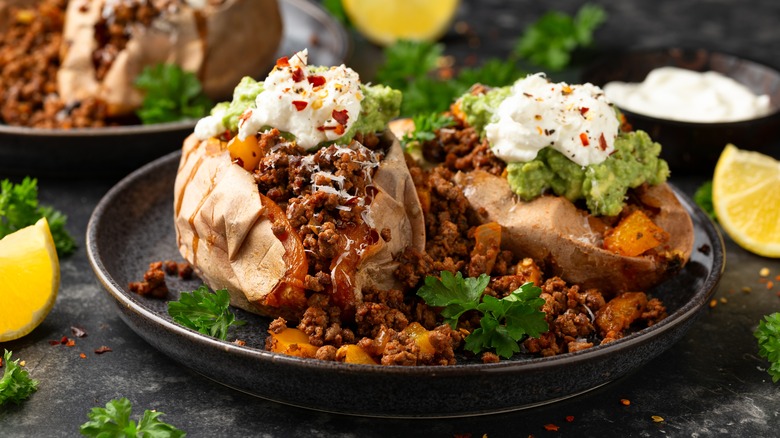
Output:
x=224 y=229
x=220 y=42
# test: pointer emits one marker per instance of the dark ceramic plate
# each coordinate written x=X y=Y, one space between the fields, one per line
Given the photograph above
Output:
x=695 y=147
x=133 y=226
x=118 y=150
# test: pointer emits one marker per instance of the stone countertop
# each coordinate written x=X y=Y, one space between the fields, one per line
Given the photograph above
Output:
x=711 y=382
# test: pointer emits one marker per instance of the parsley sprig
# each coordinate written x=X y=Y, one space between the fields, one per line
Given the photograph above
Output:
x=171 y=94
x=504 y=322
x=19 y=208
x=206 y=312
x=550 y=41
x=768 y=336
x=16 y=384
x=114 y=421
x=425 y=127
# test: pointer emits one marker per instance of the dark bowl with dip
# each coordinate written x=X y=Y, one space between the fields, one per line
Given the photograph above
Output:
x=694 y=147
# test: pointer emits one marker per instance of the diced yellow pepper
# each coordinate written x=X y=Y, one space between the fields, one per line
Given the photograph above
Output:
x=351 y=353
x=635 y=234
x=293 y=342
x=420 y=336
x=246 y=153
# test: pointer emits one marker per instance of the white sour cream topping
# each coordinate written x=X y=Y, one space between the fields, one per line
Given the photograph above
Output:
x=685 y=95
x=576 y=120
x=210 y=126
x=313 y=106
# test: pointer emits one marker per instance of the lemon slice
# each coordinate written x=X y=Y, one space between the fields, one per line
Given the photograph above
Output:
x=746 y=197
x=384 y=22
x=29 y=279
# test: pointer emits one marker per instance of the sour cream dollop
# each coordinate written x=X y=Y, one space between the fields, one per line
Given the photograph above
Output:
x=313 y=105
x=685 y=95
x=576 y=120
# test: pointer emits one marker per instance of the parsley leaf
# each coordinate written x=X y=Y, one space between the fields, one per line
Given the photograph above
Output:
x=550 y=41
x=425 y=127
x=504 y=322
x=408 y=61
x=114 y=421
x=768 y=336
x=19 y=208
x=16 y=384
x=703 y=198
x=171 y=94
x=206 y=312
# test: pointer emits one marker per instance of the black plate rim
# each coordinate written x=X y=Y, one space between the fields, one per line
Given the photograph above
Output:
x=683 y=314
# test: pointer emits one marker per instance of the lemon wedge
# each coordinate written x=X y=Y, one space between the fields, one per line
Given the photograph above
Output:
x=746 y=197
x=29 y=279
x=385 y=22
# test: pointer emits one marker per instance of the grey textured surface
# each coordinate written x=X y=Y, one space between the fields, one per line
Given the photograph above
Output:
x=710 y=383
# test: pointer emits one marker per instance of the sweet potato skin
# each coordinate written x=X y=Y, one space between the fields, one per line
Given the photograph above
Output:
x=552 y=230
x=212 y=42
x=224 y=231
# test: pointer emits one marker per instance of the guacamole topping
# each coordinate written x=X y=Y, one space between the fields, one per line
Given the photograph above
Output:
x=313 y=105
x=632 y=158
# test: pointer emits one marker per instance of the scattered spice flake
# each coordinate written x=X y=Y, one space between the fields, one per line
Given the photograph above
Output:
x=713 y=303
x=584 y=139
x=657 y=418
x=103 y=349
x=724 y=300
x=70 y=343
x=777 y=277
x=78 y=331
x=239 y=342
x=764 y=272
x=770 y=285
x=1 y=361
x=551 y=427
x=64 y=340
x=625 y=401
x=82 y=355
x=282 y=62
x=22 y=363
x=570 y=418
x=300 y=105
x=54 y=342
x=746 y=289
x=297 y=75
x=316 y=81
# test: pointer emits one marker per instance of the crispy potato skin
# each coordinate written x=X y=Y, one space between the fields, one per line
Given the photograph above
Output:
x=223 y=230
x=213 y=42
x=552 y=230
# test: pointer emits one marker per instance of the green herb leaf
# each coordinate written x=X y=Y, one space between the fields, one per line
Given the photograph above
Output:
x=407 y=61
x=425 y=127
x=208 y=313
x=550 y=41
x=16 y=384
x=768 y=336
x=114 y=421
x=170 y=94
x=494 y=73
x=19 y=208
x=703 y=198
x=504 y=322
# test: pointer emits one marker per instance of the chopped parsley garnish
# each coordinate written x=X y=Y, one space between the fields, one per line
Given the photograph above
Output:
x=768 y=336
x=208 y=313
x=425 y=127
x=114 y=421
x=19 y=209
x=504 y=322
x=550 y=41
x=171 y=94
x=703 y=198
x=16 y=384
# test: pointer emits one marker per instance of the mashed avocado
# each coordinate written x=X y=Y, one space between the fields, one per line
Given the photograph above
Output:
x=603 y=186
x=379 y=105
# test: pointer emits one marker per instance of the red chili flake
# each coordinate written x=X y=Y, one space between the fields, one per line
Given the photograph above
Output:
x=70 y=343
x=340 y=116
x=602 y=142
x=1 y=361
x=283 y=62
x=570 y=418
x=64 y=340
x=239 y=342
x=78 y=331
x=54 y=342
x=551 y=427
x=103 y=349
x=777 y=278
x=584 y=110
x=769 y=285
x=297 y=75
x=300 y=105
x=339 y=130
x=82 y=355
x=625 y=401
x=584 y=139
x=316 y=81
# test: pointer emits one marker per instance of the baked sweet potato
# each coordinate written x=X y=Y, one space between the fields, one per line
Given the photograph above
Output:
x=569 y=241
x=225 y=229
x=221 y=42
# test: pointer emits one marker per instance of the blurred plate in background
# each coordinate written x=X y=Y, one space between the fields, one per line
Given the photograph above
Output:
x=118 y=150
